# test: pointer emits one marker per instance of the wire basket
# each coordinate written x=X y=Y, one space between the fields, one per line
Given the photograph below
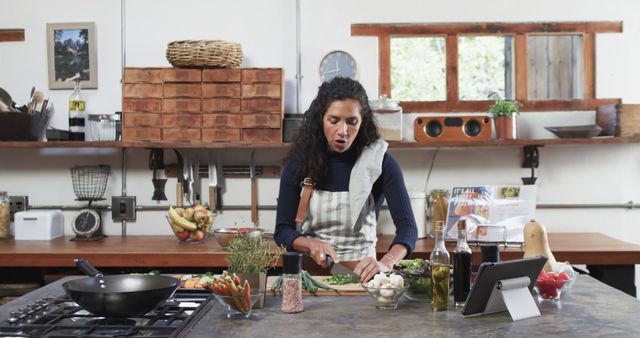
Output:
x=90 y=182
x=204 y=54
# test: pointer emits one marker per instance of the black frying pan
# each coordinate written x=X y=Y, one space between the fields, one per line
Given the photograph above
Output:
x=118 y=296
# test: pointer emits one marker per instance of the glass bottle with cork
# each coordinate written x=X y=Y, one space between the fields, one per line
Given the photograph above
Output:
x=438 y=205
x=5 y=215
x=461 y=266
x=439 y=271
x=291 y=283
x=77 y=107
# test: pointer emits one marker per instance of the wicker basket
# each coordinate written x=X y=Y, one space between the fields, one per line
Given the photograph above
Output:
x=204 y=54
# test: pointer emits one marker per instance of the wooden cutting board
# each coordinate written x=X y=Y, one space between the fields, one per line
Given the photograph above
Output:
x=351 y=289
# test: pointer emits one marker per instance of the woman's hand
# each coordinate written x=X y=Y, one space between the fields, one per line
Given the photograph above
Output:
x=317 y=249
x=369 y=267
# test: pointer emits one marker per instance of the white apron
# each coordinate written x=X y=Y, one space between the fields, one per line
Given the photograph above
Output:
x=347 y=219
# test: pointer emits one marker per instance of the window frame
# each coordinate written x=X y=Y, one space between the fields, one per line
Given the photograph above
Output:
x=385 y=31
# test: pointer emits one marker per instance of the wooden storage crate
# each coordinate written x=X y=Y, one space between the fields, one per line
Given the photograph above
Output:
x=203 y=105
x=629 y=119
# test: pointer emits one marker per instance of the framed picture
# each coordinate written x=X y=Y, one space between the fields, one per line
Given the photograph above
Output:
x=71 y=51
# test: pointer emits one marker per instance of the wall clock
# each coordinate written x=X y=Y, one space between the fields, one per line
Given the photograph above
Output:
x=338 y=63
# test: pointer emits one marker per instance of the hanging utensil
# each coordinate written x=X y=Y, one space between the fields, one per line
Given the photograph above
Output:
x=215 y=202
x=156 y=164
x=188 y=182
x=180 y=178
x=254 y=190
x=195 y=167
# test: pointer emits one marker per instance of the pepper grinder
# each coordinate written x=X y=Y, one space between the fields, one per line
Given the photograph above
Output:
x=291 y=283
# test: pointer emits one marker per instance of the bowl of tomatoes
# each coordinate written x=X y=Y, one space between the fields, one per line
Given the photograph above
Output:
x=551 y=285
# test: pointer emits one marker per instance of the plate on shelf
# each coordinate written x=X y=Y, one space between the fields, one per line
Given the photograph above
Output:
x=576 y=131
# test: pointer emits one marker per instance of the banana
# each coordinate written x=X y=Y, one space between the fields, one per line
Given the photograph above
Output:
x=180 y=221
x=175 y=227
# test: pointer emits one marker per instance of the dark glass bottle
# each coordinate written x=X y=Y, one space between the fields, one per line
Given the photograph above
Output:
x=461 y=266
x=439 y=271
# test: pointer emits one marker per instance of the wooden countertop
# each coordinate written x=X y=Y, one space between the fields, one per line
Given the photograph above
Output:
x=166 y=251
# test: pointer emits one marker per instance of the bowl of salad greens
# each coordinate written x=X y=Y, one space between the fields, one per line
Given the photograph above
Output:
x=417 y=276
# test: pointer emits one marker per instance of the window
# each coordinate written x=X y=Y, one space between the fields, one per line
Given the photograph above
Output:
x=452 y=67
x=418 y=69
x=485 y=67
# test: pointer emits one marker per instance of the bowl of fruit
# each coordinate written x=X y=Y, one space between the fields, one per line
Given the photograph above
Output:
x=190 y=225
x=551 y=285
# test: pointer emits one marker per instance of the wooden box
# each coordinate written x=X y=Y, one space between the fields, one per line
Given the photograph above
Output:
x=629 y=119
x=203 y=105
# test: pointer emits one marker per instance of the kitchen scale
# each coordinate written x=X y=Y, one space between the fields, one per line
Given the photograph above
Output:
x=89 y=184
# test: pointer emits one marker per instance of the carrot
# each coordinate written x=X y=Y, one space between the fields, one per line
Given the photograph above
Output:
x=246 y=290
x=237 y=296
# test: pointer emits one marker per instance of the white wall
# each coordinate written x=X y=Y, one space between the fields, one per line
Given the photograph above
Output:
x=266 y=30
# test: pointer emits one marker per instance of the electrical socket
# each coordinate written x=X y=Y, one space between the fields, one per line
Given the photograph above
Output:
x=123 y=208
x=17 y=203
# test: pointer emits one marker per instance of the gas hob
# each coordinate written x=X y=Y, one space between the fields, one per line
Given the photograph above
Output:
x=61 y=317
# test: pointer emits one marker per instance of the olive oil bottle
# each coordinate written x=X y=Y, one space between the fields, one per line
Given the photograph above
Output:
x=76 y=113
x=440 y=273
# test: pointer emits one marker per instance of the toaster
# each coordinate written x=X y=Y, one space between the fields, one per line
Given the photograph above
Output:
x=38 y=224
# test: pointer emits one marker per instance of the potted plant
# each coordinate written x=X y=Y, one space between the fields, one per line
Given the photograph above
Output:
x=250 y=258
x=504 y=114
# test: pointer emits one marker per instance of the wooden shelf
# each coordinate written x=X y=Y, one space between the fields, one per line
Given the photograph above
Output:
x=395 y=145
x=507 y=143
x=117 y=144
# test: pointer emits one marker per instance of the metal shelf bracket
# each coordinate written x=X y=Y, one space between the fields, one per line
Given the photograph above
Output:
x=531 y=159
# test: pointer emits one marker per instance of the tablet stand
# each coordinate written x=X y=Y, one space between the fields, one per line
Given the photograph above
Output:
x=513 y=295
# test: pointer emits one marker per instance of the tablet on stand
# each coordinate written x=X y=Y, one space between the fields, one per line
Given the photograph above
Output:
x=505 y=286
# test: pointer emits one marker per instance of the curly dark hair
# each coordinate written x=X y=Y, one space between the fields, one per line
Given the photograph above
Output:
x=309 y=143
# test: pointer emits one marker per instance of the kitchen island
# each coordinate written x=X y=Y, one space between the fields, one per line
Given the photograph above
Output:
x=609 y=260
x=590 y=308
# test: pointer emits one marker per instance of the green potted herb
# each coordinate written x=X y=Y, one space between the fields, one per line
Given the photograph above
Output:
x=504 y=114
x=250 y=258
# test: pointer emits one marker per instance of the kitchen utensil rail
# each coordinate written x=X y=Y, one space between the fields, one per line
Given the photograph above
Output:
x=102 y=207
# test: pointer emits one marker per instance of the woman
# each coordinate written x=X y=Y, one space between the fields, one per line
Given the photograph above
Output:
x=339 y=151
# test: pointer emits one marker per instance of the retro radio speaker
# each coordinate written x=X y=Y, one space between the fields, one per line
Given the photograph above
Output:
x=452 y=128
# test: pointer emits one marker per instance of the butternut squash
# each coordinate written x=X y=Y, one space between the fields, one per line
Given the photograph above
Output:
x=536 y=243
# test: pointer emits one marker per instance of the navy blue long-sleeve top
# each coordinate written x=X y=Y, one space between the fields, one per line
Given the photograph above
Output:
x=390 y=184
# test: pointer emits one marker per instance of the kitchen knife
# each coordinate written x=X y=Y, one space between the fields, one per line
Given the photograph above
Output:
x=187 y=174
x=338 y=269
x=254 y=190
x=196 y=181
x=214 y=194
x=220 y=181
x=180 y=177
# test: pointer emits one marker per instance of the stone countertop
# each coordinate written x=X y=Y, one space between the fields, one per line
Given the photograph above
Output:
x=590 y=308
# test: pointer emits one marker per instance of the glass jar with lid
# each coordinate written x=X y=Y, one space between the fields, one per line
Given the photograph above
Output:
x=438 y=205
x=5 y=216
x=101 y=127
x=388 y=115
